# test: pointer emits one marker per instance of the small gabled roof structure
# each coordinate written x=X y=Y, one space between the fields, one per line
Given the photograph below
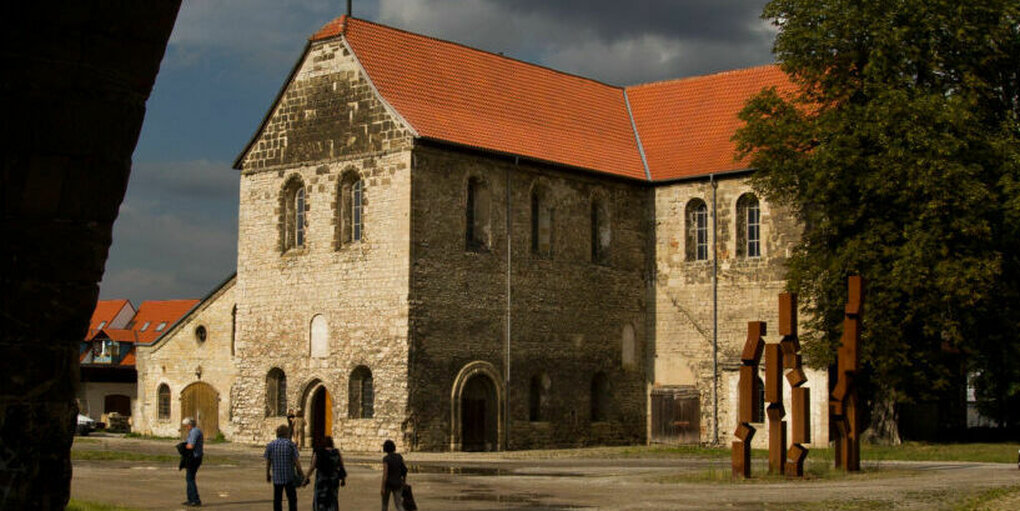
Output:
x=451 y=93
x=106 y=313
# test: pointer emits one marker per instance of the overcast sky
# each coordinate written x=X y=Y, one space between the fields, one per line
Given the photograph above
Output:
x=176 y=236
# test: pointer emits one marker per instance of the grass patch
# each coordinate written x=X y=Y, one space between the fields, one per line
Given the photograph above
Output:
x=148 y=437
x=90 y=455
x=812 y=472
x=991 y=500
x=84 y=440
x=84 y=505
x=918 y=451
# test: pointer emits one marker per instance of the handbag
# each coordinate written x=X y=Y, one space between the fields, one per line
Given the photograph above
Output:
x=408 y=498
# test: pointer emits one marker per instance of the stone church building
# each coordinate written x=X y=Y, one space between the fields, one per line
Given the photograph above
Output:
x=458 y=250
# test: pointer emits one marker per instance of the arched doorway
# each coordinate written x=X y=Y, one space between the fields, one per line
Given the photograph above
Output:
x=476 y=409
x=320 y=414
x=201 y=401
x=479 y=414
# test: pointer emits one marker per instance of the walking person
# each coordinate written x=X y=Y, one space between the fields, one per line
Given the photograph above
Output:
x=283 y=469
x=192 y=459
x=330 y=475
x=394 y=472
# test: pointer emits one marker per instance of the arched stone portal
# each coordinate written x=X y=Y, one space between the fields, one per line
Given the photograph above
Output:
x=319 y=413
x=201 y=402
x=476 y=415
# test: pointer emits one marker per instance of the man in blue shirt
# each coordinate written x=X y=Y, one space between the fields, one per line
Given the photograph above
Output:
x=194 y=445
x=283 y=469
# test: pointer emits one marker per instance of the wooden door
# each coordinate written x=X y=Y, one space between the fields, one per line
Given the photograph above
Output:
x=201 y=402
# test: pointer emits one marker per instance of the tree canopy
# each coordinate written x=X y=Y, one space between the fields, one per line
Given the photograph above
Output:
x=900 y=156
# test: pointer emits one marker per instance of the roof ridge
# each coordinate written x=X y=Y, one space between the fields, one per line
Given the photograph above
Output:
x=700 y=77
x=472 y=48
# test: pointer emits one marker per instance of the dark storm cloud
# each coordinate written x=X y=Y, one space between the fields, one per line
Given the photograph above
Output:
x=711 y=20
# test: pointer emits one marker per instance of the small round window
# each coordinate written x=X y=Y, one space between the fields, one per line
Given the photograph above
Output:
x=200 y=333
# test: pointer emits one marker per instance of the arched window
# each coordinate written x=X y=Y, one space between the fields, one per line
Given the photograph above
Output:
x=599 y=397
x=628 y=349
x=360 y=394
x=294 y=209
x=600 y=231
x=538 y=394
x=748 y=226
x=478 y=231
x=163 y=401
x=318 y=337
x=350 y=209
x=276 y=393
x=697 y=230
x=541 y=223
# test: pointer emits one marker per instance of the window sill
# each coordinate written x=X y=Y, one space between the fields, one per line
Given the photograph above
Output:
x=295 y=252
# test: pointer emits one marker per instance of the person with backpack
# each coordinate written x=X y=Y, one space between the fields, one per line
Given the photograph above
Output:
x=393 y=477
x=330 y=475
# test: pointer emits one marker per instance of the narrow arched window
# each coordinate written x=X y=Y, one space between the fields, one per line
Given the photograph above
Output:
x=350 y=209
x=293 y=212
x=748 y=226
x=360 y=403
x=697 y=230
x=628 y=349
x=541 y=224
x=600 y=231
x=599 y=397
x=276 y=393
x=478 y=229
x=163 y=400
x=318 y=337
x=538 y=394
x=233 y=328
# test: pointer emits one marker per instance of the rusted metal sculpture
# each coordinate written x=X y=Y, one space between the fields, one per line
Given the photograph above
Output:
x=775 y=411
x=843 y=400
x=748 y=397
x=800 y=396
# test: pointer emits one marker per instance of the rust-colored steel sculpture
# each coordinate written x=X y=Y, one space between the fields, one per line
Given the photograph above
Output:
x=843 y=400
x=775 y=410
x=800 y=396
x=748 y=397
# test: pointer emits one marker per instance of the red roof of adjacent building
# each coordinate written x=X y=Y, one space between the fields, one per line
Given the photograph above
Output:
x=105 y=312
x=152 y=313
x=116 y=334
x=686 y=125
x=453 y=93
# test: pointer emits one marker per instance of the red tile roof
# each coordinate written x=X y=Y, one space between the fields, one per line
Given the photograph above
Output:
x=457 y=94
x=686 y=125
x=129 y=359
x=155 y=312
x=106 y=310
x=465 y=96
x=116 y=334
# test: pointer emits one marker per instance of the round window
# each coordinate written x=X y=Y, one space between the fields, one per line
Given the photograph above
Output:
x=200 y=333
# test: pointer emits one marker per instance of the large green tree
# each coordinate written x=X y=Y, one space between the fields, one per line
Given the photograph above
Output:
x=899 y=155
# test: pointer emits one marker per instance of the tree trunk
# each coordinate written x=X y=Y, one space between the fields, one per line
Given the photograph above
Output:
x=883 y=429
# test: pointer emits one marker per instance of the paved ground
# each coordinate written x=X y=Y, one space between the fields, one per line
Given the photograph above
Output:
x=233 y=478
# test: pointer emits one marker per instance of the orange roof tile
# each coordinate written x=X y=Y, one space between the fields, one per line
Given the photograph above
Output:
x=457 y=94
x=686 y=125
x=116 y=334
x=453 y=93
x=152 y=313
x=129 y=359
x=106 y=310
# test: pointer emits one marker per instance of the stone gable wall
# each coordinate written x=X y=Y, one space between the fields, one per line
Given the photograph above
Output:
x=328 y=123
x=568 y=313
x=176 y=359
x=747 y=291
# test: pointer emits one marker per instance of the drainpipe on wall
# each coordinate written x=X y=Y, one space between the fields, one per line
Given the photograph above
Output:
x=715 y=316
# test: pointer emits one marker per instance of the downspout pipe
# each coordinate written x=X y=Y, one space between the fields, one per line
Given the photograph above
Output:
x=715 y=313
x=509 y=261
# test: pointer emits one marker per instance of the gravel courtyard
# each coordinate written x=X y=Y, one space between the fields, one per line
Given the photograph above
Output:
x=142 y=474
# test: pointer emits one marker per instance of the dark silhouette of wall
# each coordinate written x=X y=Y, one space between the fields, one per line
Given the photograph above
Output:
x=74 y=79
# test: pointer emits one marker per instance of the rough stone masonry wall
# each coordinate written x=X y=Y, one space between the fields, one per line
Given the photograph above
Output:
x=568 y=313
x=328 y=122
x=176 y=359
x=747 y=291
